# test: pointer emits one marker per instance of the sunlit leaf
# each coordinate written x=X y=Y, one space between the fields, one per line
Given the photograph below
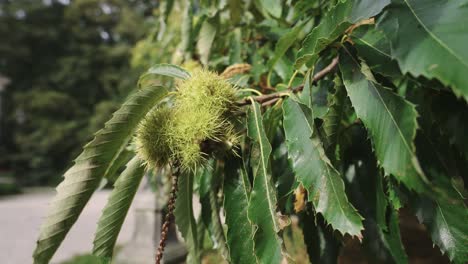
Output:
x=90 y=167
x=124 y=157
x=205 y=39
x=116 y=209
x=340 y=17
x=169 y=70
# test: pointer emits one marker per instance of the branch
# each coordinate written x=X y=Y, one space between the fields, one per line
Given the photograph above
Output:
x=269 y=99
x=169 y=215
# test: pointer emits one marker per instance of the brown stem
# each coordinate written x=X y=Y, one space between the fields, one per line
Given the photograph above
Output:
x=270 y=102
x=169 y=216
x=269 y=99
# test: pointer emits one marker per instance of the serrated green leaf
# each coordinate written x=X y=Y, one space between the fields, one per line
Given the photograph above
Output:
x=392 y=239
x=446 y=223
x=185 y=219
x=235 y=47
x=210 y=209
x=123 y=158
x=319 y=98
x=302 y=7
x=305 y=97
x=388 y=118
x=116 y=209
x=334 y=24
x=282 y=173
x=395 y=197
x=262 y=203
x=315 y=172
x=429 y=38
x=284 y=43
x=374 y=48
x=334 y=116
x=273 y=7
x=272 y=120
x=240 y=231
x=90 y=167
x=284 y=68
x=201 y=232
x=205 y=39
x=316 y=96
x=169 y=70
x=365 y=186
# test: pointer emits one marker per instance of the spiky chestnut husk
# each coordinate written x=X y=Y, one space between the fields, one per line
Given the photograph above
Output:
x=203 y=107
x=198 y=124
x=152 y=140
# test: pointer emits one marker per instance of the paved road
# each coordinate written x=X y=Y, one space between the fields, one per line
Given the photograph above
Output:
x=21 y=216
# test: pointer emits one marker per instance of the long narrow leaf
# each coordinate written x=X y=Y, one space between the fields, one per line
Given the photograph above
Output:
x=116 y=209
x=392 y=239
x=205 y=39
x=316 y=173
x=240 y=230
x=185 y=219
x=332 y=119
x=124 y=157
x=169 y=70
x=284 y=43
x=262 y=203
x=210 y=210
x=90 y=167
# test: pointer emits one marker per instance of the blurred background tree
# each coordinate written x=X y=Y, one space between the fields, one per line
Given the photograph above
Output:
x=68 y=66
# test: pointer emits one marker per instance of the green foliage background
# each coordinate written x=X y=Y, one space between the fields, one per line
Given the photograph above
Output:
x=363 y=103
x=69 y=68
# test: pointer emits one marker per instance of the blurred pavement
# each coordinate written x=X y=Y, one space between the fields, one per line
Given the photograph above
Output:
x=21 y=216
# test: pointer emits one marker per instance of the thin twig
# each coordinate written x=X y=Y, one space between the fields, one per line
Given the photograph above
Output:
x=270 y=99
x=270 y=102
x=169 y=216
